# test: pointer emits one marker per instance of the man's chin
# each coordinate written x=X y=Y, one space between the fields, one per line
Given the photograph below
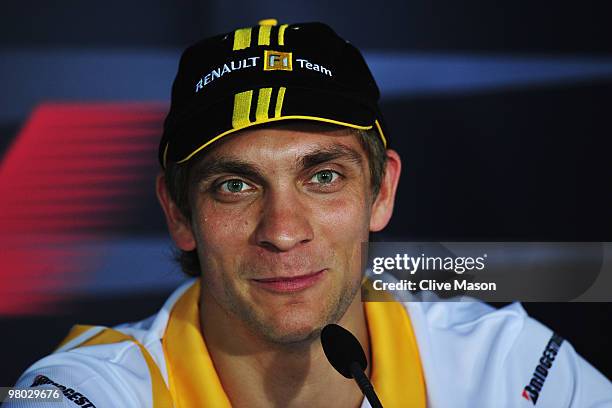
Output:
x=289 y=323
x=290 y=327
x=293 y=337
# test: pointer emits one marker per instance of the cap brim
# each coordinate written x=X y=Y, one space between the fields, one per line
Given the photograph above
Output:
x=263 y=106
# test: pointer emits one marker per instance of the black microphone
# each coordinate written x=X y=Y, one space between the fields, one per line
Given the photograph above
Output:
x=345 y=354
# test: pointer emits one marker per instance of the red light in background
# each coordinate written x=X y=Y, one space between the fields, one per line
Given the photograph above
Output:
x=69 y=177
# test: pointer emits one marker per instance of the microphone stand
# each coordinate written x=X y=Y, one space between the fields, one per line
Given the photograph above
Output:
x=365 y=385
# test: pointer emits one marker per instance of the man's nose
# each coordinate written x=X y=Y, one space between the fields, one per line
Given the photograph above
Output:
x=284 y=222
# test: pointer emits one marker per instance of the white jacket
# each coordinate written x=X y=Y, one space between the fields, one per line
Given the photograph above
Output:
x=472 y=355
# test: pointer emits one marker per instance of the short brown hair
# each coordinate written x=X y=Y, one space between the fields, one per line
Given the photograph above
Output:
x=178 y=183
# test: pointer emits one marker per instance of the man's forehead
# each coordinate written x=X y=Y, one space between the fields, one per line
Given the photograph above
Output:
x=285 y=142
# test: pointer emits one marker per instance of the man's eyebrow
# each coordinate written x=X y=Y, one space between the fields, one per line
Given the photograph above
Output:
x=326 y=154
x=215 y=166
x=218 y=165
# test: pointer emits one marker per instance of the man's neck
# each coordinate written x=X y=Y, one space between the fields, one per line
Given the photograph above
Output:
x=257 y=373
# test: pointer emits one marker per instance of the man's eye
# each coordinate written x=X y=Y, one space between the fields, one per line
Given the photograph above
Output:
x=324 y=177
x=233 y=186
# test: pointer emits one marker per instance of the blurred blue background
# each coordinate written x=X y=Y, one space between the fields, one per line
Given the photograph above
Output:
x=501 y=112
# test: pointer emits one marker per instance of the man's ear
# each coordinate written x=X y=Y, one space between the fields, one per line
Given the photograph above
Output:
x=178 y=226
x=382 y=209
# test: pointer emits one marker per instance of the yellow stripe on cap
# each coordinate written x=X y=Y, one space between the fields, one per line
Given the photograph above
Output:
x=264 y=35
x=242 y=109
x=380 y=132
x=281 y=34
x=268 y=21
x=242 y=38
x=279 y=102
x=165 y=158
x=263 y=104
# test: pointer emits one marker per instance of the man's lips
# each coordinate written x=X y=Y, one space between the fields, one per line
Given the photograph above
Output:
x=290 y=284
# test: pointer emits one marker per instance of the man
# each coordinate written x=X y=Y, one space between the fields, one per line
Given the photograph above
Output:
x=275 y=171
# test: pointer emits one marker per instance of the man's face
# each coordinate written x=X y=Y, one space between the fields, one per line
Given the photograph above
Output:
x=279 y=215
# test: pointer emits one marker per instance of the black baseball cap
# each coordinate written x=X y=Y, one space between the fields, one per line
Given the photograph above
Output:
x=264 y=74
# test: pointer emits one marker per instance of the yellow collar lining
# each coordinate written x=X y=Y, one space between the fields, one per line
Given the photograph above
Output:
x=397 y=375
